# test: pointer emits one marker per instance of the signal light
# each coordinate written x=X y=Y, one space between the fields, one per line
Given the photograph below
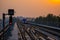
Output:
x=10 y=20
x=10 y=23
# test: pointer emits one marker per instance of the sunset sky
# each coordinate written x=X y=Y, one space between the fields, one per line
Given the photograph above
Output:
x=31 y=8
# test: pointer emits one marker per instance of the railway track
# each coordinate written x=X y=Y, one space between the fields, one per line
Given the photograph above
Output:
x=36 y=33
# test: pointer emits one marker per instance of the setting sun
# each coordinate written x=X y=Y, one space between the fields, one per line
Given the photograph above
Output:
x=54 y=1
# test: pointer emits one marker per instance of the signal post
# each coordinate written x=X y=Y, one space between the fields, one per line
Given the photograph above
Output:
x=10 y=13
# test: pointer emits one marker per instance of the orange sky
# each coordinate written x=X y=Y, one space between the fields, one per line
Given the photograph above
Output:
x=31 y=8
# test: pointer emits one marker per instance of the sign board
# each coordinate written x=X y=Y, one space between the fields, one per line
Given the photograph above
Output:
x=10 y=11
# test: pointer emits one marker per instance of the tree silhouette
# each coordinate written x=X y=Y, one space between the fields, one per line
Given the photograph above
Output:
x=50 y=19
